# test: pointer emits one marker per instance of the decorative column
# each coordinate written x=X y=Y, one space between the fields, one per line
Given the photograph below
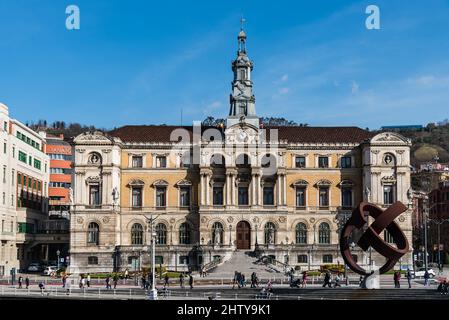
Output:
x=253 y=189
x=202 y=189
x=284 y=187
x=208 y=189
x=259 y=191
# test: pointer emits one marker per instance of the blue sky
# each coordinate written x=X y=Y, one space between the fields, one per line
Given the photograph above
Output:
x=141 y=62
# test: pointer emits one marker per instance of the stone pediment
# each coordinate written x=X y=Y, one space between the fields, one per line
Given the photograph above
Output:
x=390 y=137
x=93 y=137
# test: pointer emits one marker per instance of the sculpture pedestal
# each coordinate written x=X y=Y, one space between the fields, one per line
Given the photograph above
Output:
x=372 y=281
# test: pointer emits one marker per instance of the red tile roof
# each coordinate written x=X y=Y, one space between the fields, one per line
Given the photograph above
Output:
x=162 y=133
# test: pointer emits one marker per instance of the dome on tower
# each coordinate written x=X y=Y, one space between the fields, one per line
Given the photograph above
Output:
x=242 y=34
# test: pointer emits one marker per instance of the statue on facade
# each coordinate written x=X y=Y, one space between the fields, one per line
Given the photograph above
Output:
x=367 y=193
x=217 y=236
x=115 y=195
x=271 y=236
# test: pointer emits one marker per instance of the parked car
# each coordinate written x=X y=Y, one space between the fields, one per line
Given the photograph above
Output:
x=50 y=270
x=420 y=273
x=34 y=267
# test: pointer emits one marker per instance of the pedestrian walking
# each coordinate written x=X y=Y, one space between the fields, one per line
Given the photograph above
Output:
x=88 y=280
x=42 y=287
x=64 y=280
x=20 y=282
x=397 y=279
x=409 y=278
x=126 y=273
x=27 y=282
x=150 y=280
x=181 y=280
x=304 y=279
x=426 y=278
x=108 y=282
x=191 y=281
x=337 y=281
x=327 y=280
x=166 y=281
x=80 y=284
x=115 y=279
x=235 y=279
x=253 y=280
x=242 y=281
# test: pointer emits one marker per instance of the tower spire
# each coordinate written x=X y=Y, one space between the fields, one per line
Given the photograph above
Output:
x=242 y=100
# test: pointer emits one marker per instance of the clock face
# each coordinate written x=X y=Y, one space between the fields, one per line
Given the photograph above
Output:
x=243 y=136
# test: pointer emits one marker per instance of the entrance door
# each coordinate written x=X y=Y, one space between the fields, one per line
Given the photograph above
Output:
x=243 y=235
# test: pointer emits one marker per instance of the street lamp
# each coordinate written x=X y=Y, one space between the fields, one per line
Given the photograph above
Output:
x=57 y=255
x=153 y=292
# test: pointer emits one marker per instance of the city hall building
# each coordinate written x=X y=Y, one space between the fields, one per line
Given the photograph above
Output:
x=206 y=192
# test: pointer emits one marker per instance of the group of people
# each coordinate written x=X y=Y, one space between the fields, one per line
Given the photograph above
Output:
x=329 y=282
x=114 y=280
x=299 y=282
x=239 y=280
x=181 y=280
x=84 y=281
x=27 y=282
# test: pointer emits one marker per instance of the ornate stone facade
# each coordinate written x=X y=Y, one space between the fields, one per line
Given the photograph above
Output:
x=284 y=191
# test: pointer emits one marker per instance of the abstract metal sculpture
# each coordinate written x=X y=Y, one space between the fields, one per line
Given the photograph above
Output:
x=370 y=238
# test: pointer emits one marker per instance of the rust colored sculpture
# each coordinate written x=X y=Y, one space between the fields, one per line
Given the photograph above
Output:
x=382 y=220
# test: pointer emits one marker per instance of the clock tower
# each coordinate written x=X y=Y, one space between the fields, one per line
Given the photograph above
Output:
x=242 y=100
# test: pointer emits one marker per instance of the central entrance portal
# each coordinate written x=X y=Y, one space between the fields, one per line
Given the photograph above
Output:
x=243 y=235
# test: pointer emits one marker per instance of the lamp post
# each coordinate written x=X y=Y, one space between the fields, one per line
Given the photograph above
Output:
x=153 y=292
x=57 y=255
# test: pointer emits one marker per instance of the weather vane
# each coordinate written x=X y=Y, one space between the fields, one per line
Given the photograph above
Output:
x=242 y=20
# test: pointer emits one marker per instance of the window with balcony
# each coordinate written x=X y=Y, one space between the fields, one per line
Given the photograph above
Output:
x=161 y=196
x=218 y=195
x=301 y=233
x=161 y=162
x=324 y=233
x=137 y=162
x=345 y=162
x=324 y=197
x=301 y=196
x=137 y=234
x=300 y=162
x=94 y=195
x=268 y=196
x=346 y=197
x=136 y=197
x=243 y=196
x=323 y=162
x=388 y=194
x=161 y=234
x=184 y=196
x=93 y=234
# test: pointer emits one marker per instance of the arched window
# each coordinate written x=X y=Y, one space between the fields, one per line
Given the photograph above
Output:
x=217 y=233
x=137 y=234
x=93 y=233
x=324 y=233
x=243 y=160
x=301 y=233
x=161 y=233
x=270 y=233
x=184 y=234
x=217 y=160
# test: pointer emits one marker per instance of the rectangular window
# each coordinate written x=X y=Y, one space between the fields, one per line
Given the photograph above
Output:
x=39 y=186
x=22 y=157
x=345 y=162
x=161 y=161
x=161 y=196
x=5 y=126
x=346 y=197
x=94 y=195
x=324 y=197
x=137 y=162
x=243 y=196
x=388 y=194
x=4 y=147
x=218 y=195
x=137 y=197
x=268 y=196
x=37 y=164
x=323 y=162
x=159 y=260
x=30 y=182
x=300 y=197
x=184 y=260
x=13 y=152
x=13 y=176
x=302 y=258
x=19 y=178
x=300 y=162
x=387 y=237
x=4 y=174
x=327 y=258
x=184 y=194
x=92 y=260
x=30 y=160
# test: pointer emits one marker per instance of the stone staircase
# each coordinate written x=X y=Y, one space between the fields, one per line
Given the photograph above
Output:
x=242 y=261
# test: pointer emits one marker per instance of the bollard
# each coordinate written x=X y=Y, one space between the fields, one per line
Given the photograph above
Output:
x=15 y=290
x=99 y=293
x=114 y=293
x=130 y=293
